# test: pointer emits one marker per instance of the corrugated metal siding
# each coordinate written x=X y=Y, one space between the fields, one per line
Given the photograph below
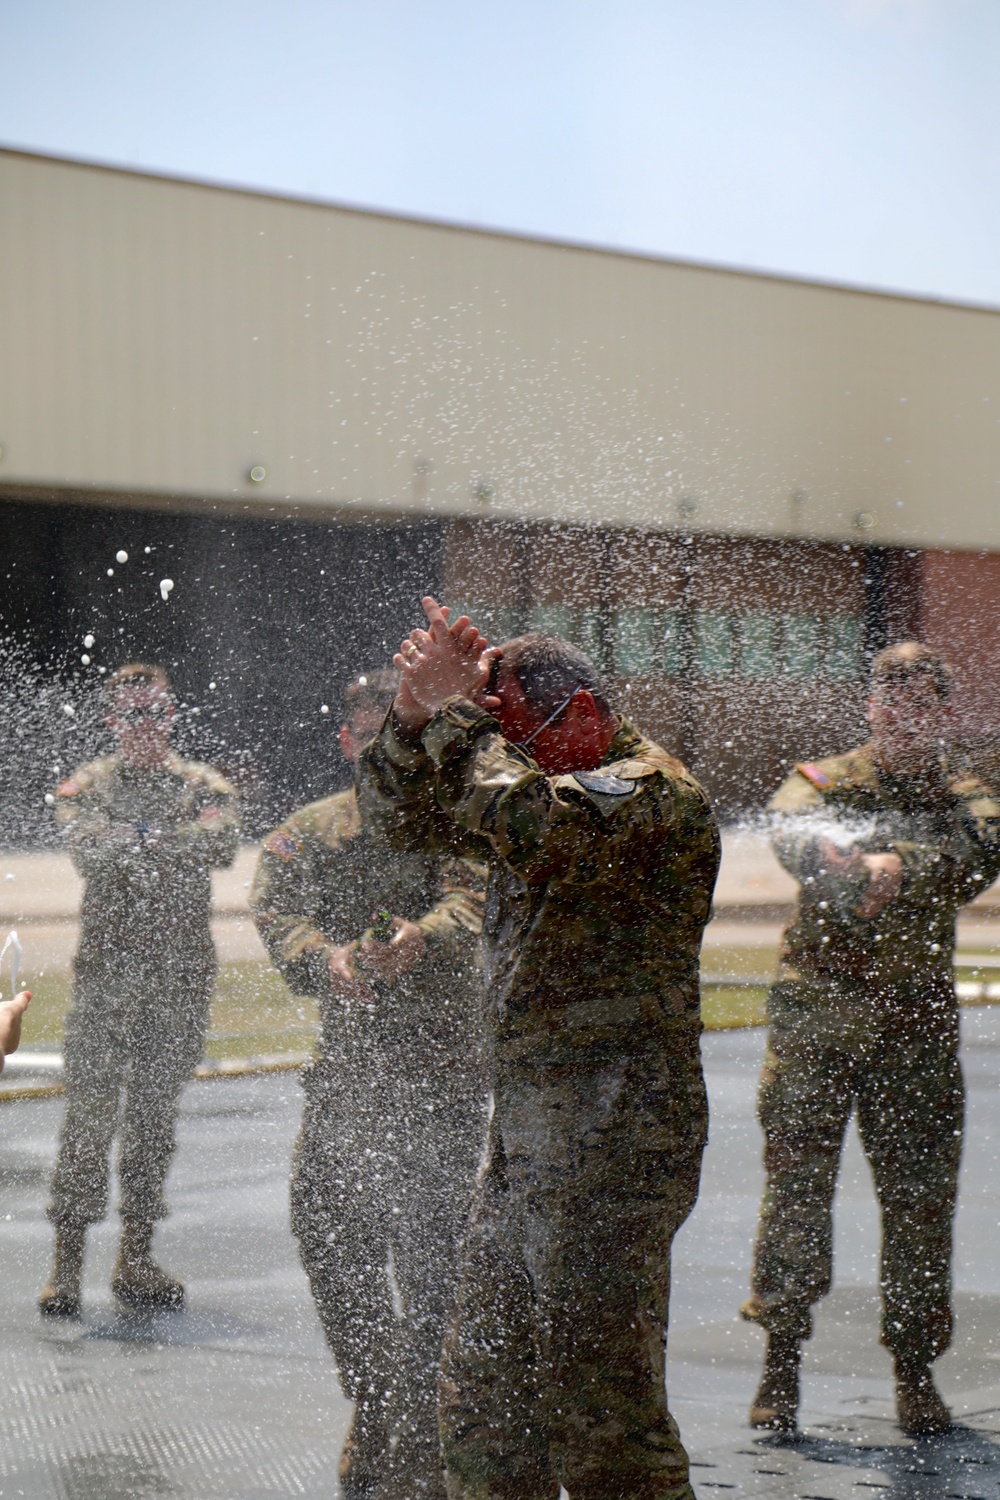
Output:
x=160 y=337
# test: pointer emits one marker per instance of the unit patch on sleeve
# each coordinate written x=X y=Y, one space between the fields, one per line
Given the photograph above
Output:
x=283 y=845
x=604 y=783
x=813 y=773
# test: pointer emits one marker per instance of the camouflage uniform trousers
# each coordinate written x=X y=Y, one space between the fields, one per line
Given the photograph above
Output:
x=553 y=1370
x=381 y=1182
x=894 y=1056
x=130 y=1046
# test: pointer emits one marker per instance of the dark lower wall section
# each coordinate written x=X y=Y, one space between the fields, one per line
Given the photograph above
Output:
x=265 y=623
x=740 y=654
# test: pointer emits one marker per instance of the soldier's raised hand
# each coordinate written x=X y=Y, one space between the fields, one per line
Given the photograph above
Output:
x=444 y=661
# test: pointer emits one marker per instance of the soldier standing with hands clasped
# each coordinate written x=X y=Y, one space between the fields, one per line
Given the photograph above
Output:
x=887 y=842
x=395 y=1102
x=602 y=857
x=144 y=828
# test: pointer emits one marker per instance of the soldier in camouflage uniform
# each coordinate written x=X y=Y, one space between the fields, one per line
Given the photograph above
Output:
x=603 y=855
x=887 y=843
x=395 y=1103
x=144 y=828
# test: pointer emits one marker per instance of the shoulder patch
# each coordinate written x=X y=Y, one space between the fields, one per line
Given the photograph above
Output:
x=283 y=845
x=814 y=773
x=69 y=788
x=603 y=783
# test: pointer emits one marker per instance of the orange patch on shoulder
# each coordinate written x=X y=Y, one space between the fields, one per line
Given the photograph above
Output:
x=283 y=845
x=813 y=773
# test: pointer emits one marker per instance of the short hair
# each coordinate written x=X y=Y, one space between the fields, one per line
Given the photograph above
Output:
x=370 y=692
x=908 y=660
x=138 y=674
x=549 y=669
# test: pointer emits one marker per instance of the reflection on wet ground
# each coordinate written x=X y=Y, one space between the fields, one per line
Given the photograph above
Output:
x=236 y=1398
x=964 y=1466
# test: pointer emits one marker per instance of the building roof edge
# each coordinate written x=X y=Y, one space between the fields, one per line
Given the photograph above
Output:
x=455 y=226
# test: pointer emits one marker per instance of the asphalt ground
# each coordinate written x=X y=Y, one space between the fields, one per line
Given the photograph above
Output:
x=237 y=1398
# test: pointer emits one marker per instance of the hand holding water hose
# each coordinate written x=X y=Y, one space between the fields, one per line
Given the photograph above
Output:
x=11 y=1010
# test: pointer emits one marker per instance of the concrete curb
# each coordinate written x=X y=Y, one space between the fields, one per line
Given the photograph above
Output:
x=237 y=1067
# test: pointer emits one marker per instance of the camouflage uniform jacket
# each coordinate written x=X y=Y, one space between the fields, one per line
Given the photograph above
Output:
x=945 y=827
x=600 y=883
x=321 y=880
x=145 y=841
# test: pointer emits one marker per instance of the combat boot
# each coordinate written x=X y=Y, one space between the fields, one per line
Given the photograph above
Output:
x=776 y=1403
x=137 y=1280
x=61 y=1296
x=919 y=1406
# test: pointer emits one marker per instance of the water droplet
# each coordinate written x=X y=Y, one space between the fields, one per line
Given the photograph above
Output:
x=121 y=557
x=166 y=586
x=88 y=641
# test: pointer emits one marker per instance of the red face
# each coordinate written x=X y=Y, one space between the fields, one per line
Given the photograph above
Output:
x=908 y=722
x=576 y=740
x=141 y=718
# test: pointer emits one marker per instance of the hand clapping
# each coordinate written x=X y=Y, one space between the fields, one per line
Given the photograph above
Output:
x=441 y=662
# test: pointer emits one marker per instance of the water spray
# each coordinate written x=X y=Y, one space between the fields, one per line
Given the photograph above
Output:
x=13 y=943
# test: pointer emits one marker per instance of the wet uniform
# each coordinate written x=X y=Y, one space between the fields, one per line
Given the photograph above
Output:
x=864 y=1015
x=144 y=842
x=600 y=886
x=394 y=1118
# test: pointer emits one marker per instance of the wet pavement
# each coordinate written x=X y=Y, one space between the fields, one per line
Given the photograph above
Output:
x=236 y=1397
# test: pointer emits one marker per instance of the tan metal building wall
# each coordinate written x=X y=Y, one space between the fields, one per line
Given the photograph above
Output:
x=160 y=338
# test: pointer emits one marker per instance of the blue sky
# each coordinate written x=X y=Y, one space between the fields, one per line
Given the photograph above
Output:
x=849 y=140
